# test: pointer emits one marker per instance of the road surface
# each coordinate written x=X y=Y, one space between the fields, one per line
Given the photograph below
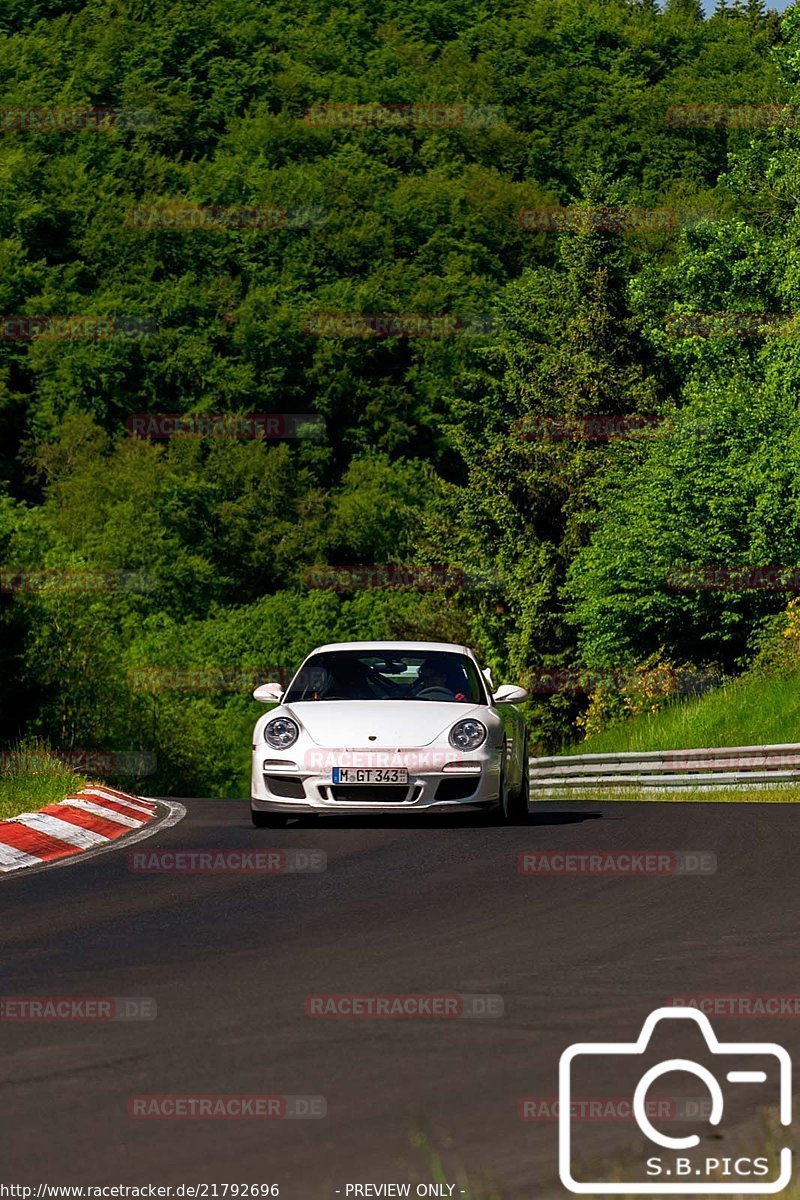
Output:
x=429 y=907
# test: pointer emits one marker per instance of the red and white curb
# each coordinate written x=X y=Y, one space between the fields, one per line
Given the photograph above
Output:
x=88 y=821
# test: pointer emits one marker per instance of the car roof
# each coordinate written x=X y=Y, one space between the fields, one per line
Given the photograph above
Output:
x=452 y=647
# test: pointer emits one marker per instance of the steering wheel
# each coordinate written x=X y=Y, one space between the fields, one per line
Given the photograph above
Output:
x=435 y=692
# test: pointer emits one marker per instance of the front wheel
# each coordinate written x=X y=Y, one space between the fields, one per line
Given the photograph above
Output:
x=268 y=820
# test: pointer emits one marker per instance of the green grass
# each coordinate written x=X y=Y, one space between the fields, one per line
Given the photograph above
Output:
x=31 y=778
x=750 y=711
x=780 y=794
x=478 y=1186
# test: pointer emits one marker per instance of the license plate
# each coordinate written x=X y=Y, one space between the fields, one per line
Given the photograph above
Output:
x=370 y=775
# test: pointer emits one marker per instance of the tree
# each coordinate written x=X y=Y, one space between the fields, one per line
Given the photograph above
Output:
x=530 y=427
x=398 y=216
x=689 y=10
x=673 y=564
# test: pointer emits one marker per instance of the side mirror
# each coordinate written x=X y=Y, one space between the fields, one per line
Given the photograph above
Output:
x=509 y=693
x=268 y=693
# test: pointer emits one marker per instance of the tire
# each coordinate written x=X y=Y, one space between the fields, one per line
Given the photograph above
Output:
x=500 y=814
x=268 y=820
x=516 y=809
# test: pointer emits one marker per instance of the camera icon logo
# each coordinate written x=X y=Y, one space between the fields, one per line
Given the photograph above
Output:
x=683 y=1168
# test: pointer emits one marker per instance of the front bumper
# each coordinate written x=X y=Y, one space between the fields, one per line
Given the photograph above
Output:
x=283 y=787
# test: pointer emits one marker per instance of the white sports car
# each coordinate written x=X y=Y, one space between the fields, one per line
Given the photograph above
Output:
x=387 y=727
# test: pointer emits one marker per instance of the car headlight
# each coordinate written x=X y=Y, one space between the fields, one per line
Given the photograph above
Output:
x=467 y=735
x=281 y=733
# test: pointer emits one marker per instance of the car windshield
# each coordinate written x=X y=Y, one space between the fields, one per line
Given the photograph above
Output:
x=388 y=675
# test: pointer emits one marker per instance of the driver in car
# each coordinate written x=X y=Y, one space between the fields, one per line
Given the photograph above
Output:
x=433 y=676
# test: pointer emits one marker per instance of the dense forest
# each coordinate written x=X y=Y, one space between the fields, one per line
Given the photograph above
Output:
x=449 y=247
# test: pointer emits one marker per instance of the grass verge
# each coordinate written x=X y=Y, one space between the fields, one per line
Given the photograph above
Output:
x=32 y=778
x=470 y=1185
x=787 y=794
x=754 y=710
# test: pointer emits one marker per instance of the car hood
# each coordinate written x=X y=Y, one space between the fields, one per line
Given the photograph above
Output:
x=377 y=724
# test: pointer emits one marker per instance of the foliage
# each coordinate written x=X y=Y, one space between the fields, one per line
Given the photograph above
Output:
x=32 y=777
x=426 y=454
x=752 y=710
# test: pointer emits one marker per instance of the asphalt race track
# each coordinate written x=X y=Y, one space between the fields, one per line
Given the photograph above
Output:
x=432 y=907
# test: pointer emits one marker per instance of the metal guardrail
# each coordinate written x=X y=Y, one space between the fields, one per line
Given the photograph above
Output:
x=757 y=766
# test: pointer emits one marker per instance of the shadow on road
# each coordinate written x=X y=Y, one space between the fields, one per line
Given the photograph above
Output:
x=563 y=818
x=438 y=821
